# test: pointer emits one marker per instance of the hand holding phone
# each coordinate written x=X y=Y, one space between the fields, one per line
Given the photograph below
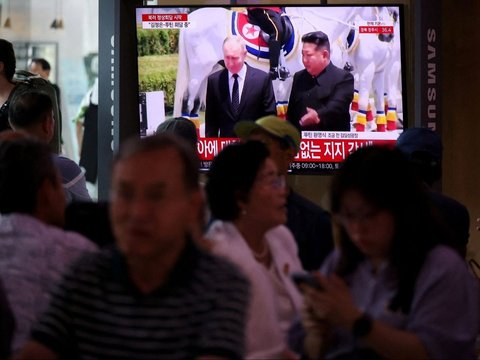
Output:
x=307 y=279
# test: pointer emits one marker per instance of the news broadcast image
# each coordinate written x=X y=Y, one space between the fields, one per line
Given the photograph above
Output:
x=179 y=47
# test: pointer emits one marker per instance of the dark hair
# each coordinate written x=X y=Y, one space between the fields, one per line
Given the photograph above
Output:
x=7 y=56
x=182 y=127
x=24 y=165
x=28 y=107
x=384 y=177
x=231 y=177
x=135 y=145
x=319 y=38
x=43 y=63
x=424 y=148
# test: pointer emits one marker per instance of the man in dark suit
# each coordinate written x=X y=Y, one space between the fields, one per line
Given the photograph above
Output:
x=321 y=93
x=239 y=92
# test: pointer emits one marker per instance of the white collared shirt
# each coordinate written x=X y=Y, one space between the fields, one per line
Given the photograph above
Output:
x=241 y=80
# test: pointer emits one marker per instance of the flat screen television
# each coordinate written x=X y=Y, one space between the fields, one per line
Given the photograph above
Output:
x=179 y=47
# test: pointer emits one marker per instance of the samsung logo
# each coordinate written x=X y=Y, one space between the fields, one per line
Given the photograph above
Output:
x=431 y=79
x=112 y=84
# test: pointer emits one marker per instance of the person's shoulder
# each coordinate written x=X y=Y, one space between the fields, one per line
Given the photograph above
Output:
x=256 y=71
x=208 y=261
x=335 y=70
x=219 y=270
x=220 y=231
x=281 y=236
x=69 y=240
x=448 y=203
x=444 y=261
x=216 y=74
x=445 y=268
x=98 y=262
x=331 y=262
x=300 y=73
x=51 y=244
x=45 y=234
x=68 y=167
x=73 y=179
x=280 y=231
x=455 y=215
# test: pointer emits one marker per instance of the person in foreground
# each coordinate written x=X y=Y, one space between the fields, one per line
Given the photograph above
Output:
x=248 y=198
x=321 y=93
x=35 y=250
x=310 y=225
x=156 y=294
x=392 y=289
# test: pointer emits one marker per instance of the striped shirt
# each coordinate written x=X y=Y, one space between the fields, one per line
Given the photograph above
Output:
x=97 y=312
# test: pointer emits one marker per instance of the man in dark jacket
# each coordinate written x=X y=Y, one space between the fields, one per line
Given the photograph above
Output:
x=321 y=93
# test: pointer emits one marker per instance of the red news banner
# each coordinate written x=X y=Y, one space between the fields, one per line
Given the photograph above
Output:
x=319 y=150
x=165 y=21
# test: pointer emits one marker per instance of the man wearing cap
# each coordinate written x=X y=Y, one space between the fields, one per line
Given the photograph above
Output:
x=321 y=93
x=423 y=147
x=310 y=224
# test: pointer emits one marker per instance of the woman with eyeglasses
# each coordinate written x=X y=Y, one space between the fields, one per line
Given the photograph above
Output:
x=391 y=289
x=248 y=198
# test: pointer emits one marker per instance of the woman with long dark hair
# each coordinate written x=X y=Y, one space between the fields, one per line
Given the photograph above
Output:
x=391 y=289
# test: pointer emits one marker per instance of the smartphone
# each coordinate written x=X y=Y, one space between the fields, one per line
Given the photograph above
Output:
x=307 y=279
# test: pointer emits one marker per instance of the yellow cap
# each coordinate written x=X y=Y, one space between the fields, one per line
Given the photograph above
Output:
x=275 y=126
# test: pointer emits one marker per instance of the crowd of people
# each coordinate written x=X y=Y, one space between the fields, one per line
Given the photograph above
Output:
x=177 y=269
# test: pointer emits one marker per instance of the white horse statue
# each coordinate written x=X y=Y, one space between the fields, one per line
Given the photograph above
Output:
x=200 y=48
x=376 y=66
